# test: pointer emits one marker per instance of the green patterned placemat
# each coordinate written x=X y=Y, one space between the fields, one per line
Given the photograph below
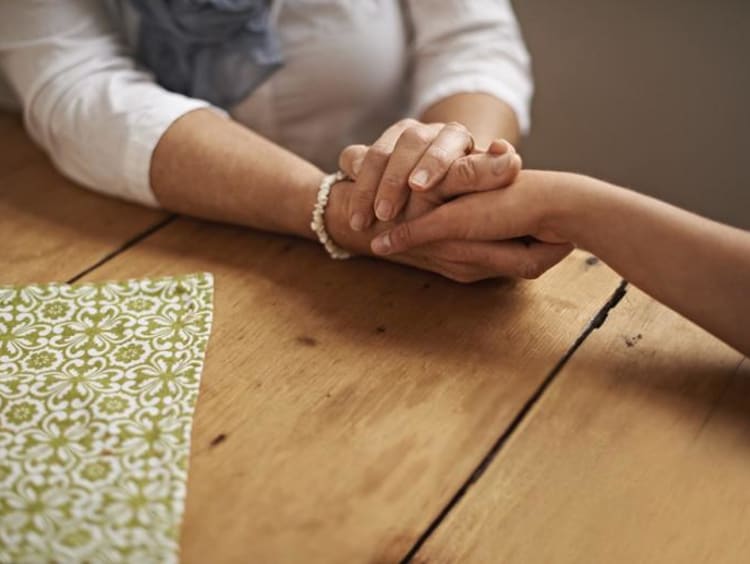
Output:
x=97 y=388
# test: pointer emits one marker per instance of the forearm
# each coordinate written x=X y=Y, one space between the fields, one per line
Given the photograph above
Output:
x=698 y=267
x=208 y=166
x=486 y=116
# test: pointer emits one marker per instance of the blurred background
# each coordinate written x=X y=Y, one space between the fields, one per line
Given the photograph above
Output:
x=651 y=94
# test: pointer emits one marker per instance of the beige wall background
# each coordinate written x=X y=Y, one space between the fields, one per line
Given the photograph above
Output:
x=652 y=94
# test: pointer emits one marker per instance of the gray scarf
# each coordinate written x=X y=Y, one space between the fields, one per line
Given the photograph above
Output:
x=215 y=50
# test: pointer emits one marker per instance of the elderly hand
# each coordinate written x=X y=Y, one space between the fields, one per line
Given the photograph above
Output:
x=409 y=155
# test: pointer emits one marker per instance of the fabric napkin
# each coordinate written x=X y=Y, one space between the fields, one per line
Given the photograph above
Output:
x=98 y=383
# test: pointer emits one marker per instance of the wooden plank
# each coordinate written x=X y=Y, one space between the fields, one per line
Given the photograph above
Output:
x=343 y=403
x=638 y=452
x=51 y=229
x=16 y=148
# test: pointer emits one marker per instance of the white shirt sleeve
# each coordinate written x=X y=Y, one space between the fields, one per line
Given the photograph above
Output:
x=96 y=115
x=469 y=46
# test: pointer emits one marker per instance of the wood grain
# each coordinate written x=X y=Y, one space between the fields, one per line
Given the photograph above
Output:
x=638 y=452
x=343 y=403
x=51 y=229
x=16 y=149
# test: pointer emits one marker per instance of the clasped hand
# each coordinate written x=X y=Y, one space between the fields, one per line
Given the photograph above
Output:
x=415 y=168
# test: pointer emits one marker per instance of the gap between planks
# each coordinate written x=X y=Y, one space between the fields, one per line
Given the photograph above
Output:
x=124 y=247
x=596 y=322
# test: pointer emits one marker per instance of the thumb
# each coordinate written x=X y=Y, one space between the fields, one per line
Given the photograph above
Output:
x=433 y=226
x=480 y=216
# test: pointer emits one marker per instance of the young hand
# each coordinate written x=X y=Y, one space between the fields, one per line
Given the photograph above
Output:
x=528 y=207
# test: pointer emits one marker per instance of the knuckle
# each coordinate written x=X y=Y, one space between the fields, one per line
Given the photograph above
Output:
x=353 y=149
x=435 y=127
x=349 y=154
x=439 y=156
x=467 y=137
x=362 y=198
x=460 y=130
x=467 y=171
x=344 y=163
x=379 y=153
x=456 y=126
x=347 y=150
x=407 y=122
x=417 y=135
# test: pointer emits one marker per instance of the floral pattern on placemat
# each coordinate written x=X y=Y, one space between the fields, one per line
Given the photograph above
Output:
x=98 y=384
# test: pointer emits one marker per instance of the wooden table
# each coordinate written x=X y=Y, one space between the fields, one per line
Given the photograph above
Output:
x=364 y=412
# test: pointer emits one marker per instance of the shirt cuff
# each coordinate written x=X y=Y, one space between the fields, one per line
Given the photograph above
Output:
x=476 y=84
x=147 y=129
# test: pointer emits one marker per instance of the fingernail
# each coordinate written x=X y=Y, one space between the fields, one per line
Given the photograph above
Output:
x=357 y=221
x=499 y=147
x=357 y=166
x=381 y=244
x=383 y=210
x=419 y=179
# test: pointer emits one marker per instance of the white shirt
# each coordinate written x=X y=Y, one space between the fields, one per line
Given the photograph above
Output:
x=351 y=68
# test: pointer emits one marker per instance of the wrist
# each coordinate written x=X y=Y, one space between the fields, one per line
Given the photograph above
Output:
x=578 y=202
x=300 y=205
x=337 y=221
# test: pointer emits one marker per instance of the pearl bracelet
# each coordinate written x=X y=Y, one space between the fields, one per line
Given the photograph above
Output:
x=318 y=224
